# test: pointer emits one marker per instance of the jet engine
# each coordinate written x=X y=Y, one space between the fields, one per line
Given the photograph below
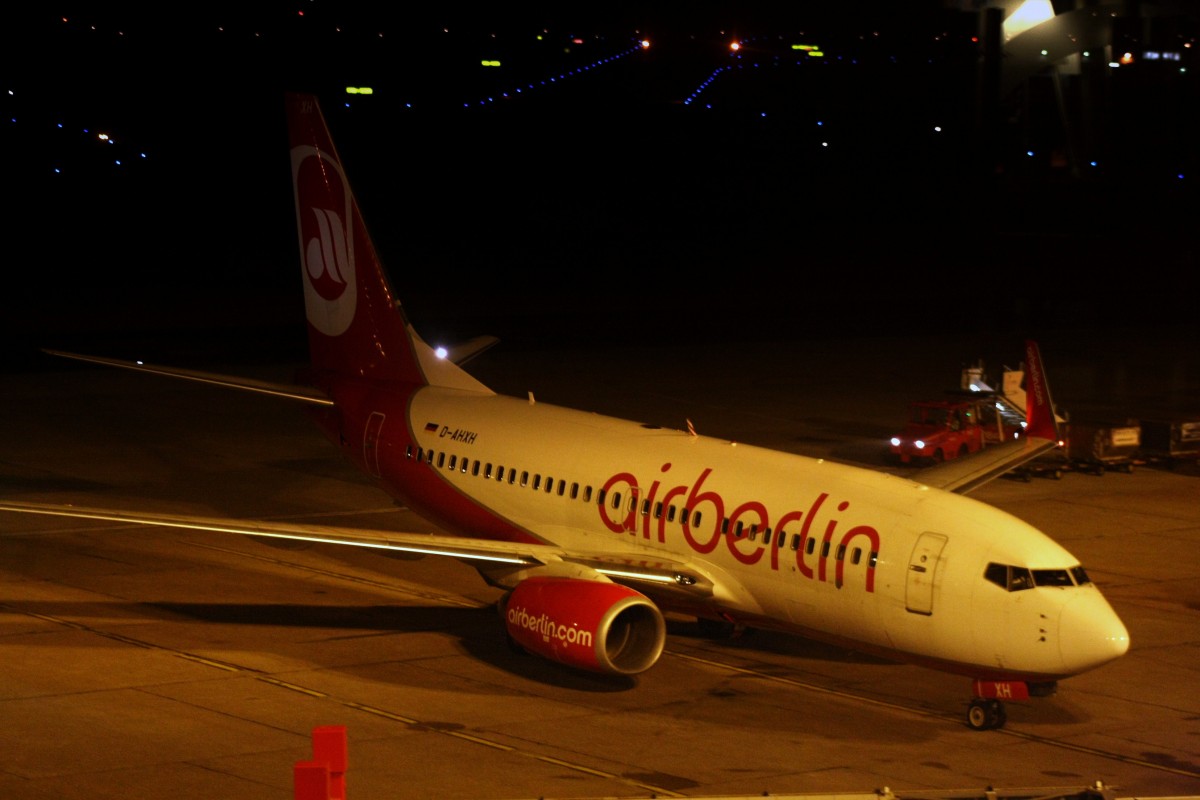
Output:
x=598 y=626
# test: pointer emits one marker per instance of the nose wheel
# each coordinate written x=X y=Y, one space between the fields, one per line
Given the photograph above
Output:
x=985 y=714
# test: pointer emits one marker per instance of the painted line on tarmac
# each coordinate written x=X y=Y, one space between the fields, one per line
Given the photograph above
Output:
x=1093 y=751
x=412 y=722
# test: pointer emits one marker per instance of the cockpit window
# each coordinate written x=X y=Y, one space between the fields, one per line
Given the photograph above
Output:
x=1014 y=579
x=1018 y=579
x=997 y=574
x=1052 y=577
x=1009 y=578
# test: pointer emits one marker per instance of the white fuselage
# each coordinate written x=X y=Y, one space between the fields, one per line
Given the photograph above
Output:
x=878 y=562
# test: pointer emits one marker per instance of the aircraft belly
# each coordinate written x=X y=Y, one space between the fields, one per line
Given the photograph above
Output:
x=815 y=608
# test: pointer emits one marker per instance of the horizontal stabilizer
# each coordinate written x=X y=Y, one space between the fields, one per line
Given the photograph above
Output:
x=465 y=351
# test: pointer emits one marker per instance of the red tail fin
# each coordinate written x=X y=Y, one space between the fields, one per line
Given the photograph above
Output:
x=355 y=325
x=1039 y=409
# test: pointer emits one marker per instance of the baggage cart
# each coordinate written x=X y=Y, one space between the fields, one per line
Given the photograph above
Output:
x=1102 y=445
x=1171 y=440
x=1053 y=464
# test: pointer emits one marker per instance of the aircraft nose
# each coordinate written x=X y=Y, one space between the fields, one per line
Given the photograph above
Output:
x=1090 y=633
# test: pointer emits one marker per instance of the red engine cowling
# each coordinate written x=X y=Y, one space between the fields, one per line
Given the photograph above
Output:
x=591 y=625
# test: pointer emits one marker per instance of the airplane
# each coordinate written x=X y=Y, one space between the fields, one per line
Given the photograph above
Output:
x=595 y=527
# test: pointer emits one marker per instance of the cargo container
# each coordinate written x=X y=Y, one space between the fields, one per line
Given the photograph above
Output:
x=1171 y=440
x=1100 y=446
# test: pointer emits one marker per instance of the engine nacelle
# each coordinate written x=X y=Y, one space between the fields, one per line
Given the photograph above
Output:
x=591 y=625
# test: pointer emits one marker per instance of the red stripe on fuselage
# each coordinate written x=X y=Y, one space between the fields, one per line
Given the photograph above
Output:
x=418 y=485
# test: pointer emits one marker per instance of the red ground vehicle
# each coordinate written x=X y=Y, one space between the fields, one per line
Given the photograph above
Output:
x=938 y=430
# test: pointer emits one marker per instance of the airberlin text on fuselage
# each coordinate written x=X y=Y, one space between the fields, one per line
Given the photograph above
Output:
x=752 y=514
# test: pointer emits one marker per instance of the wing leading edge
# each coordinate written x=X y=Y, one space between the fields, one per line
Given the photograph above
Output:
x=458 y=354
x=480 y=553
x=305 y=394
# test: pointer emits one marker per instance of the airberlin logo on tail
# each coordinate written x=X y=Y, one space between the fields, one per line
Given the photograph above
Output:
x=323 y=218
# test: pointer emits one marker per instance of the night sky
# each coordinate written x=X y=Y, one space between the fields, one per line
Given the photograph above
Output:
x=681 y=192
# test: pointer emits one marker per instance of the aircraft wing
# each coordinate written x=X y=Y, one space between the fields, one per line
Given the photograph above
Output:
x=305 y=394
x=654 y=574
x=964 y=474
x=459 y=354
x=1041 y=435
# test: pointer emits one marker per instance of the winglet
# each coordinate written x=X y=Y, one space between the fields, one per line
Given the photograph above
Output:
x=1039 y=409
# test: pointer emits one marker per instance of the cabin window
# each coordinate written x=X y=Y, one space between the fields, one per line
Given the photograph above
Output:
x=670 y=513
x=587 y=494
x=453 y=462
x=441 y=459
x=841 y=552
x=796 y=541
x=658 y=510
x=537 y=482
x=487 y=471
x=695 y=519
x=429 y=457
x=525 y=478
x=475 y=468
x=616 y=500
x=465 y=464
x=562 y=487
x=737 y=531
x=645 y=508
x=824 y=549
x=574 y=491
x=408 y=452
x=549 y=485
x=600 y=497
x=856 y=555
x=725 y=525
x=874 y=559
x=499 y=473
x=810 y=546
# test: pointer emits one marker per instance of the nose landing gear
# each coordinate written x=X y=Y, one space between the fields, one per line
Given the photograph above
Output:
x=986 y=713
x=987 y=700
